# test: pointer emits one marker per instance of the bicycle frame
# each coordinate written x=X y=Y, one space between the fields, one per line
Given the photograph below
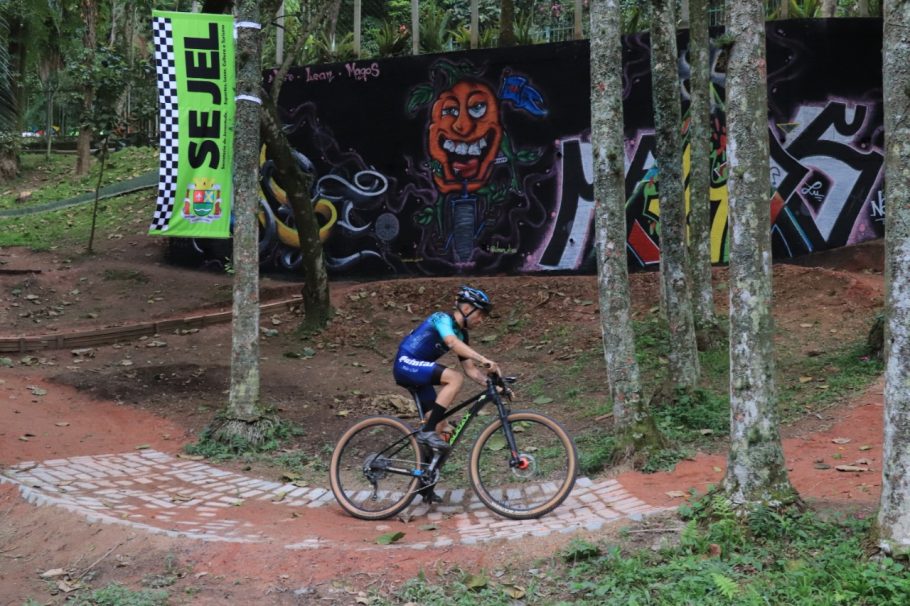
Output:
x=479 y=401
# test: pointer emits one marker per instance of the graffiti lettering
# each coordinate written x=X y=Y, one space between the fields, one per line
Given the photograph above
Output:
x=317 y=76
x=362 y=73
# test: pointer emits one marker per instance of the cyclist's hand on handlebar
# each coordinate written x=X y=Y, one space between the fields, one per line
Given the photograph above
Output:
x=491 y=367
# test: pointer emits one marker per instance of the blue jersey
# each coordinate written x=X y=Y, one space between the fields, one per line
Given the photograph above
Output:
x=426 y=342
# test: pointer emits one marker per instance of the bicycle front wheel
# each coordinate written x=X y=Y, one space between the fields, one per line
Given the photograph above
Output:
x=372 y=468
x=543 y=476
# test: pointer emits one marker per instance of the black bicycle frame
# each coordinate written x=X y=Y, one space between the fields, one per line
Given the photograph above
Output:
x=479 y=401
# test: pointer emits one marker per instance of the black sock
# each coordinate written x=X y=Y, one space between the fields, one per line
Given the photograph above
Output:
x=437 y=412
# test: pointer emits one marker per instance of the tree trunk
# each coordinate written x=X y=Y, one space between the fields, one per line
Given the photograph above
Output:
x=862 y=8
x=12 y=35
x=756 y=473
x=317 y=304
x=784 y=9
x=89 y=39
x=243 y=410
x=610 y=216
x=829 y=8
x=506 y=23
x=636 y=431
x=706 y=326
x=894 y=511
x=683 y=357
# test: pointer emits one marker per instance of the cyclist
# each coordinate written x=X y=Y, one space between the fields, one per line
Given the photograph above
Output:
x=416 y=366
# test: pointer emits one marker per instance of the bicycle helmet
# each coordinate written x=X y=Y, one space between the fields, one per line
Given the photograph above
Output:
x=475 y=297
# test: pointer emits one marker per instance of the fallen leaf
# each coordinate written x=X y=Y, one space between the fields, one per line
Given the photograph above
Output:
x=181 y=498
x=476 y=581
x=37 y=391
x=342 y=413
x=805 y=325
x=841 y=440
x=862 y=462
x=62 y=424
x=69 y=586
x=865 y=447
x=143 y=447
x=389 y=538
x=53 y=572
x=181 y=455
x=676 y=494
x=542 y=400
x=706 y=432
x=822 y=466
x=514 y=591
x=850 y=468
x=805 y=379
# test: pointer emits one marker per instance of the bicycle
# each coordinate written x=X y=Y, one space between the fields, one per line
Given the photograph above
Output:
x=522 y=465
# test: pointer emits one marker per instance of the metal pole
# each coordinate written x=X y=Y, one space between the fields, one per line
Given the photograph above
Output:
x=415 y=27
x=579 y=30
x=475 y=24
x=279 y=35
x=357 y=9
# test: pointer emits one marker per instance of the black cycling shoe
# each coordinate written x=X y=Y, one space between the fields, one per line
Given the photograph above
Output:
x=433 y=440
x=429 y=496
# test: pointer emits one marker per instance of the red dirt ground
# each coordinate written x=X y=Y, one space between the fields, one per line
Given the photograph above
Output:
x=118 y=397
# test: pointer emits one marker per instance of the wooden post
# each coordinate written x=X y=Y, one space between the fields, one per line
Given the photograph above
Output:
x=415 y=27
x=357 y=10
x=475 y=24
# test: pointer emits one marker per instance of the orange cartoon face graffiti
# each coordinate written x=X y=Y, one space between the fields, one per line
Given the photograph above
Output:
x=464 y=136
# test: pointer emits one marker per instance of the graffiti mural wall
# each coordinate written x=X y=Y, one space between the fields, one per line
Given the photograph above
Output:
x=480 y=162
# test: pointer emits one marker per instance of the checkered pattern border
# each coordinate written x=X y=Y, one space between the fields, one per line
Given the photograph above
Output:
x=169 y=153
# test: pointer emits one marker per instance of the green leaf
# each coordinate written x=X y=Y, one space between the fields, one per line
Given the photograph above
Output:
x=725 y=585
x=543 y=400
x=489 y=338
x=497 y=442
x=420 y=96
x=389 y=538
x=476 y=581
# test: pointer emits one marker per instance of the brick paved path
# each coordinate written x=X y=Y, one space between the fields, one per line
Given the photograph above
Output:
x=159 y=493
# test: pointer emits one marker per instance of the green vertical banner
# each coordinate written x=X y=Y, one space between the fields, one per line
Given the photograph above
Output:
x=194 y=53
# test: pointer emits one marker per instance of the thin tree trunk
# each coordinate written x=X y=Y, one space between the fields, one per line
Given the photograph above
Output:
x=894 y=510
x=683 y=356
x=610 y=216
x=829 y=8
x=506 y=23
x=706 y=326
x=89 y=39
x=756 y=472
x=784 y=9
x=91 y=235
x=862 y=8
x=243 y=406
x=317 y=305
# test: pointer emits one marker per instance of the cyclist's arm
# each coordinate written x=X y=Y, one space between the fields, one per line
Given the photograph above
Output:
x=475 y=374
x=463 y=350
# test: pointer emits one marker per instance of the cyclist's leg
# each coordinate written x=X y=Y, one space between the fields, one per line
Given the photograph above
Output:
x=423 y=375
x=451 y=381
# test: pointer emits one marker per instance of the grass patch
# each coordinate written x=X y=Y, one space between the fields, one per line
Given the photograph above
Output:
x=52 y=180
x=462 y=589
x=769 y=558
x=815 y=383
x=69 y=228
x=239 y=448
x=118 y=595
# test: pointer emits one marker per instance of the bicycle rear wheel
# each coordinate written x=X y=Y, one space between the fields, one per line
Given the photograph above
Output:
x=544 y=476
x=370 y=468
